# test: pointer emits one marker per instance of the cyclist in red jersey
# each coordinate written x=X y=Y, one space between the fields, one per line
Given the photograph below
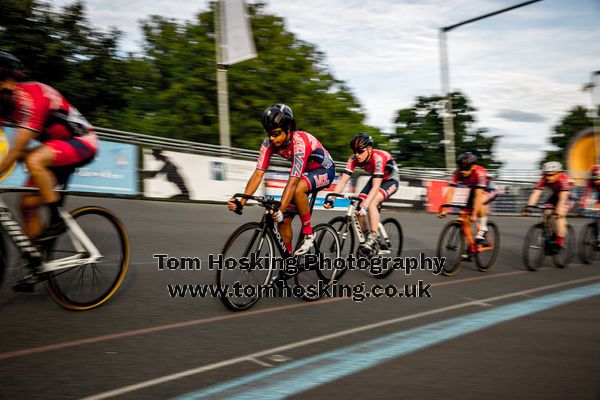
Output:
x=592 y=187
x=561 y=185
x=478 y=180
x=383 y=183
x=39 y=112
x=312 y=170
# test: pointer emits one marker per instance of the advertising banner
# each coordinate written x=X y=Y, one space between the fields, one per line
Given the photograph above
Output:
x=113 y=170
x=169 y=174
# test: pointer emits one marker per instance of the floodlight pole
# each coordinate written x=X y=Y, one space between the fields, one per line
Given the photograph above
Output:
x=450 y=151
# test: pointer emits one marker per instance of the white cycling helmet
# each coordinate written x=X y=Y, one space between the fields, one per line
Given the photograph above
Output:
x=552 y=166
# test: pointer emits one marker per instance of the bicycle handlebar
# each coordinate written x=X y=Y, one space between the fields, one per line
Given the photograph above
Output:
x=263 y=201
x=351 y=197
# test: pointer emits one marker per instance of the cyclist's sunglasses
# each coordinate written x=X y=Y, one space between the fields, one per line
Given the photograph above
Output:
x=360 y=151
x=548 y=174
x=275 y=132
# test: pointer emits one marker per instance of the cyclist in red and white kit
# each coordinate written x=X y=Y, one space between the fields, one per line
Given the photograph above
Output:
x=383 y=183
x=476 y=178
x=561 y=185
x=592 y=188
x=39 y=112
x=312 y=170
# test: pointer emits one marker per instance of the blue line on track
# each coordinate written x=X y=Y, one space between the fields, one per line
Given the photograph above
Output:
x=298 y=376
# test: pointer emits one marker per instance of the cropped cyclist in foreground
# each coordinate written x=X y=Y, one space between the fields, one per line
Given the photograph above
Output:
x=477 y=178
x=561 y=185
x=312 y=170
x=39 y=112
x=383 y=183
x=592 y=188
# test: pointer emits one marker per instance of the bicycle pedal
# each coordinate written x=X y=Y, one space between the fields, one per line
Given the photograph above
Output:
x=466 y=257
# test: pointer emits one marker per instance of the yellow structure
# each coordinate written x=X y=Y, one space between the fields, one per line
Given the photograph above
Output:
x=581 y=155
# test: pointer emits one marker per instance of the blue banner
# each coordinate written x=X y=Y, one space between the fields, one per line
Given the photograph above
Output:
x=114 y=170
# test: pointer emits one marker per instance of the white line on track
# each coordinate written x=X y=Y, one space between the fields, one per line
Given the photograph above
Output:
x=293 y=345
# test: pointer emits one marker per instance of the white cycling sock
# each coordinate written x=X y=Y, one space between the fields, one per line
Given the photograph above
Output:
x=483 y=224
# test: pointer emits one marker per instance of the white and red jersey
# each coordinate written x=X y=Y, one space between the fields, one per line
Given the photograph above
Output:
x=479 y=178
x=304 y=151
x=42 y=109
x=380 y=165
x=562 y=184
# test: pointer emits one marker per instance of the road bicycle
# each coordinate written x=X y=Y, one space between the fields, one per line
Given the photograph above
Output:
x=83 y=267
x=457 y=243
x=388 y=242
x=260 y=240
x=541 y=242
x=589 y=244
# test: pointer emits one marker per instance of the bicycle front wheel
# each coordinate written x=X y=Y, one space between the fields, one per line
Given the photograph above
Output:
x=567 y=253
x=534 y=247
x=451 y=245
x=347 y=238
x=486 y=259
x=245 y=241
x=390 y=247
x=312 y=278
x=588 y=246
x=87 y=286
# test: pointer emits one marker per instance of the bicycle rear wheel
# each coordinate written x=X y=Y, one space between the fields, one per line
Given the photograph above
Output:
x=534 y=247
x=316 y=277
x=245 y=241
x=566 y=255
x=88 y=286
x=451 y=245
x=485 y=260
x=347 y=239
x=588 y=248
x=392 y=246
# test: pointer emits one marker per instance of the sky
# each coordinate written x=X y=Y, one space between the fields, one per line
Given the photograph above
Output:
x=522 y=70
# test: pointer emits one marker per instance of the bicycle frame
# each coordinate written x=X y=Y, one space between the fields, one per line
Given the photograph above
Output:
x=354 y=222
x=464 y=217
x=268 y=227
x=83 y=245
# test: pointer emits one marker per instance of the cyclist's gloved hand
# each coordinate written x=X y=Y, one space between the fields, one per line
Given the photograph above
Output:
x=328 y=203
x=277 y=216
x=235 y=205
x=362 y=211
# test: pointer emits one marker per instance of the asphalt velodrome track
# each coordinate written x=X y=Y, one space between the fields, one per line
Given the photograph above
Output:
x=508 y=333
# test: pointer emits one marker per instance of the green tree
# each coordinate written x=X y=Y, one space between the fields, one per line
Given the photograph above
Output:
x=60 y=49
x=576 y=119
x=419 y=133
x=179 y=85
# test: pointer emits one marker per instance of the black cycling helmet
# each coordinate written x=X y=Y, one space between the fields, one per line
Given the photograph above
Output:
x=465 y=160
x=278 y=116
x=10 y=66
x=360 y=142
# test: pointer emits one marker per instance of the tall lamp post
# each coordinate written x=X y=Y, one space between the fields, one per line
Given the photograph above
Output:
x=450 y=151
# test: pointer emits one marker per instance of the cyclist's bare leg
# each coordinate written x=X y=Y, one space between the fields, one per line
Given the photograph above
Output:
x=37 y=162
x=285 y=230
x=302 y=205
x=374 y=213
x=32 y=224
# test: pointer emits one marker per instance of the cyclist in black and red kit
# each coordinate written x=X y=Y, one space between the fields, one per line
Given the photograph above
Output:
x=592 y=188
x=312 y=170
x=560 y=184
x=40 y=112
x=478 y=180
x=383 y=183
